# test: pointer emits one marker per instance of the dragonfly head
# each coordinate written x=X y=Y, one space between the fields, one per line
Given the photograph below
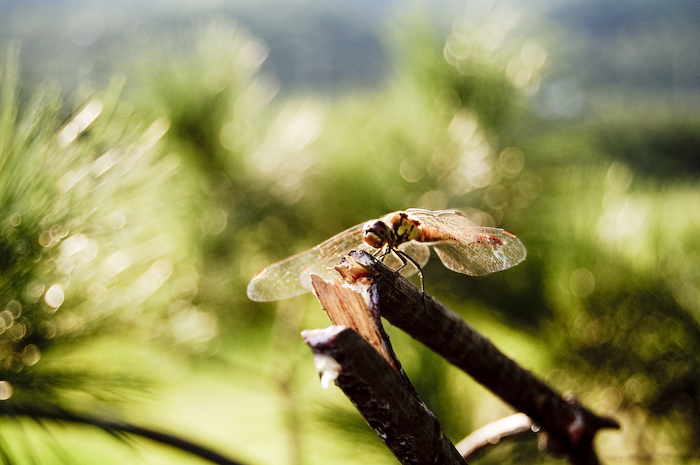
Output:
x=376 y=233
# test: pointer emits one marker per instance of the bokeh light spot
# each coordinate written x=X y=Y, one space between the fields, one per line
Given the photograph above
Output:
x=54 y=296
x=582 y=282
x=610 y=399
x=235 y=134
x=533 y=56
x=525 y=190
x=511 y=160
x=47 y=329
x=481 y=218
x=496 y=196
x=17 y=332
x=31 y=355
x=117 y=220
x=15 y=219
x=463 y=126
x=6 y=320
x=433 y=200
x=14 y=307
x=214 y=222
x=411 y=170
x=5 y=390
x=598 y=331
x=117 y=262
x=216 y=79
x=457 y=47
x=104 y=162
x=45 y=239
x=80 y=123
x=34 y=291
x=74 y=244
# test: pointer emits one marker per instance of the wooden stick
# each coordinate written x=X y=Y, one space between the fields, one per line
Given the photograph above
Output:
x=380 y=394
x=511 y=426
x=347 y=308
x=569 y=425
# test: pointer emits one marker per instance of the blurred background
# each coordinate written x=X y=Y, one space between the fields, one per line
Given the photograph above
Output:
x=155 y=155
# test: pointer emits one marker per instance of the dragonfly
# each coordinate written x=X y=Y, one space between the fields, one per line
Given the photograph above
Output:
x=401 y=240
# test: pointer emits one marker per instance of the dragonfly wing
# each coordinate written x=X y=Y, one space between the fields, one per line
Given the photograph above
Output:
x=480 y=251
x=446 y=220
x=466 y=248
x=291 y=276
x=283 y=279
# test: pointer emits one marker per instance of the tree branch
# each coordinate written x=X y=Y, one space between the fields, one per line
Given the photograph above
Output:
x=111 y=426
x=380 y=394
x=570 y=425
x=511 y=426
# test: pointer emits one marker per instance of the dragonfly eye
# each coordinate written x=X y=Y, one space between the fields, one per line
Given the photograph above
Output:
x=376 y=234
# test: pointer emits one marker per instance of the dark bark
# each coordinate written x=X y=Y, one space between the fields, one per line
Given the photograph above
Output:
x=380 y=393
x=570 y=426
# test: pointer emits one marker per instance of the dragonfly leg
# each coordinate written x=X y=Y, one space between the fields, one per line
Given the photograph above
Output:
x=383 y=252
x=402 y=256
x=405 y=258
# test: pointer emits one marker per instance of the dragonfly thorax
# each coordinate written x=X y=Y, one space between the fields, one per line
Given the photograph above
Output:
x=396 y=230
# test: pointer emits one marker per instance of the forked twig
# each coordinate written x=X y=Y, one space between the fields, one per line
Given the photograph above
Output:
x=363 y=364
x=569 y=425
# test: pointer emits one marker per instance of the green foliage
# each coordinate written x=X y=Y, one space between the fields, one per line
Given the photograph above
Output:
x=618 y=277
x=112 y=252
x=88 y=251
x=466 y=70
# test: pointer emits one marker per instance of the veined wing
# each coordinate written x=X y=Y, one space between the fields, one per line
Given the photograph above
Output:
x=291 y=276
x=466 y=248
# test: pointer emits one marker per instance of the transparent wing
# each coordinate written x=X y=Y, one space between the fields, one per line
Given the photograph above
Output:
x=290 y=277
x=466 y=248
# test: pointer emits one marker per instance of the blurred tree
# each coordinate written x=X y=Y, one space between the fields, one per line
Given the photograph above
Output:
x=617 y=276
x=88 y=258
x=111 y=252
